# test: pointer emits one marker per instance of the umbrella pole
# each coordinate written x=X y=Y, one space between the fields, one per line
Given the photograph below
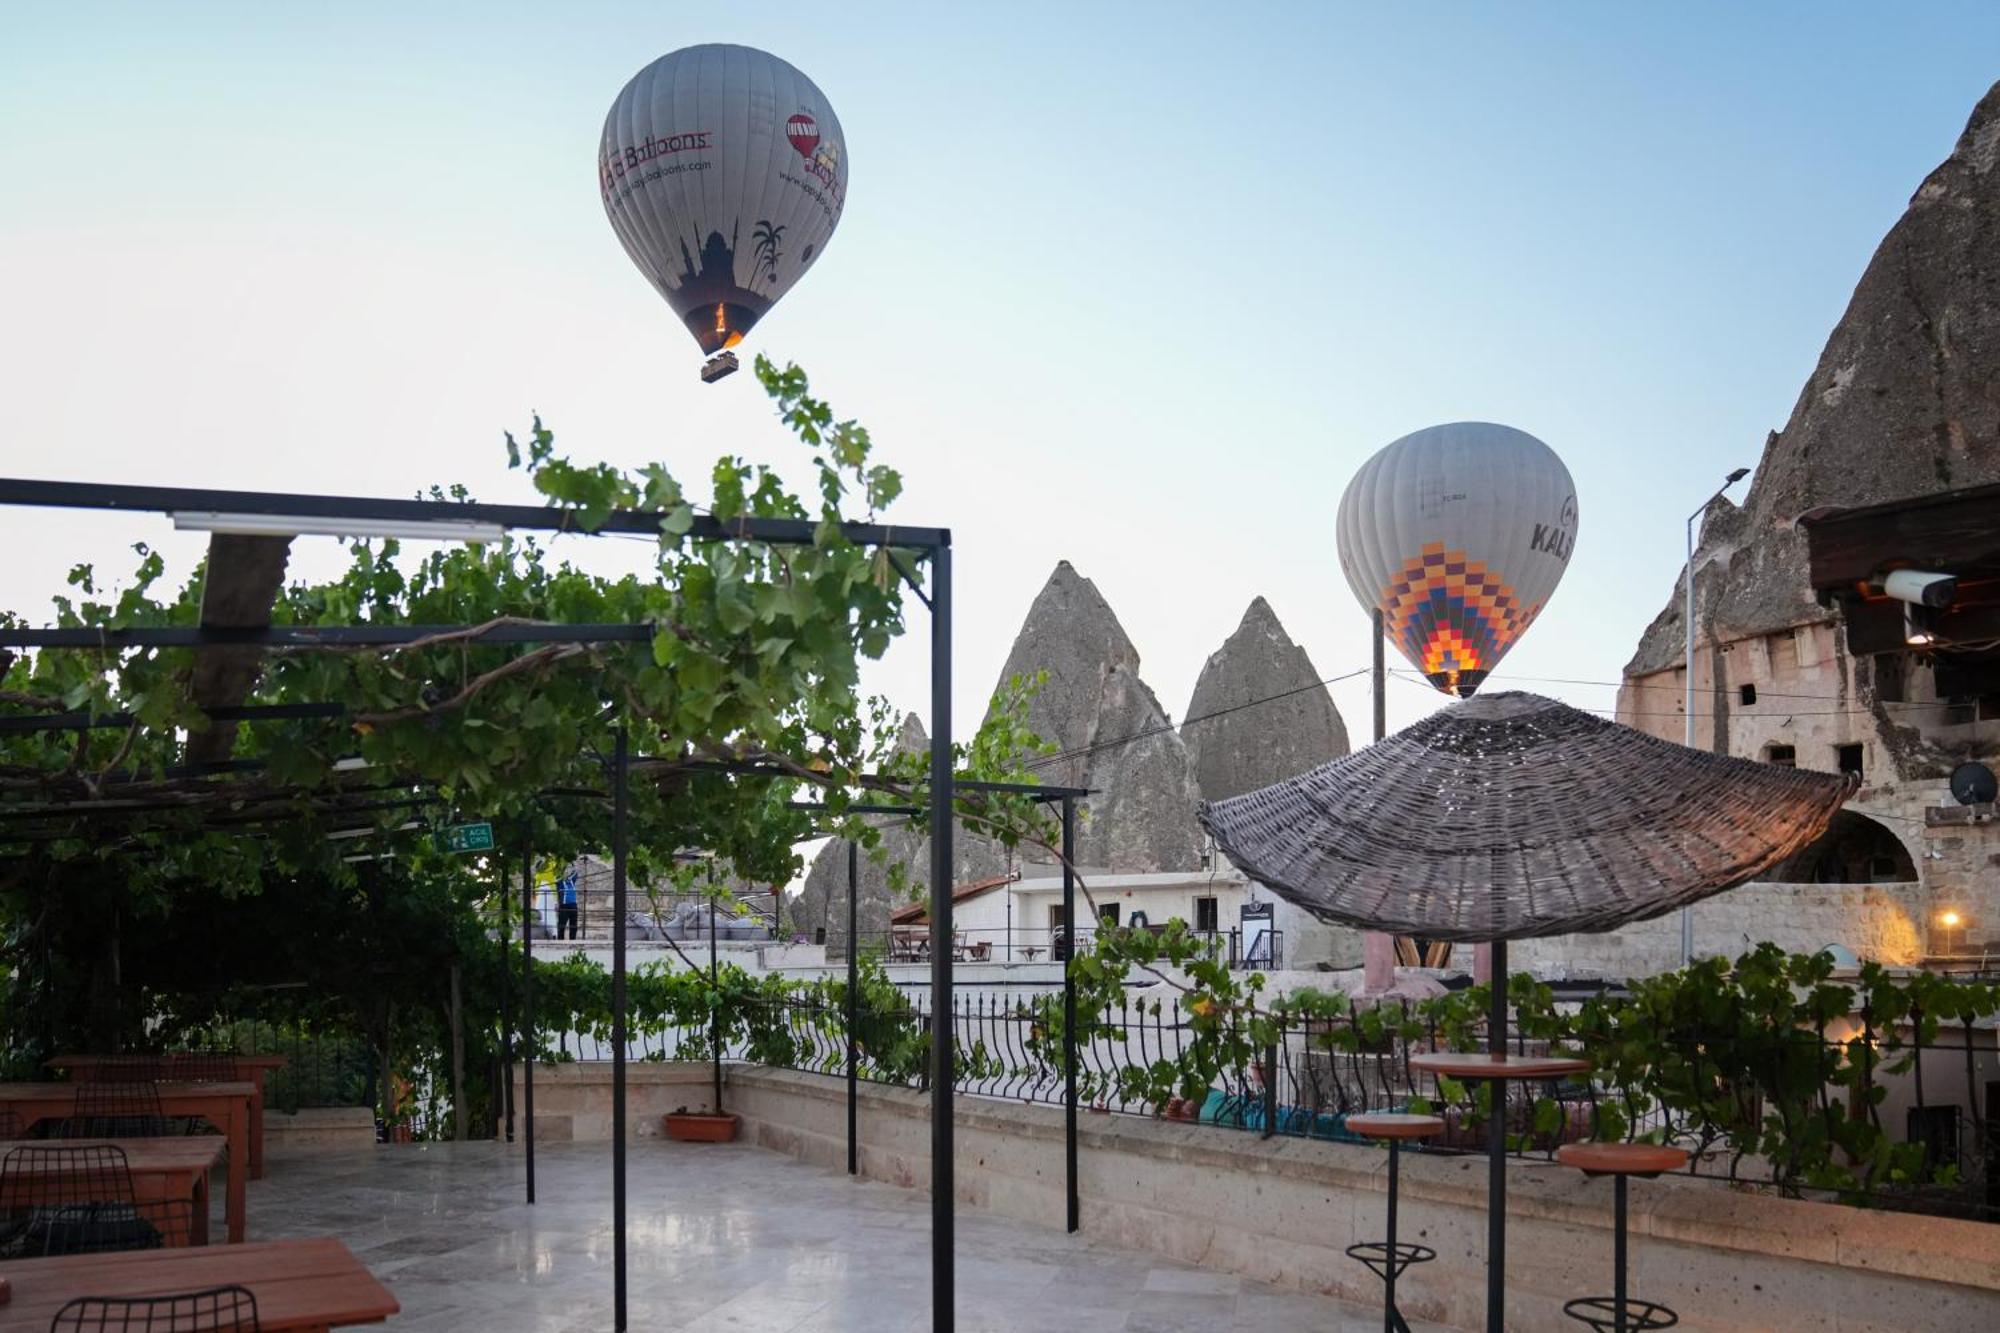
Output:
x=1496 y=1151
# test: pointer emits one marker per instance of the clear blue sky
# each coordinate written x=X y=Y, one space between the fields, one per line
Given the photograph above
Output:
x=1138 y=286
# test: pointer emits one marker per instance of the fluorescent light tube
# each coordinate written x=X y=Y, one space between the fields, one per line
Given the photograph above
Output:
x=292 y=525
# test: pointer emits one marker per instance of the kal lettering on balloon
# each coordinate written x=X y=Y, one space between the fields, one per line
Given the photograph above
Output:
x=1458 y=534
x=699 y=187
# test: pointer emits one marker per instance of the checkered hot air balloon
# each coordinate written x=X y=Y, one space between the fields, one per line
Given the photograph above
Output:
x=723 y=171
x=1458 y=534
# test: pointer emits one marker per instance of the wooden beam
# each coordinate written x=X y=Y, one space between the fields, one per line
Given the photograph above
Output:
x=1958 y=532
x=244 y=576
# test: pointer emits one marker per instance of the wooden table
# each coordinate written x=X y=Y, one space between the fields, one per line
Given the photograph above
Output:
x=251 y=1067
x=224 y=1105
x=300 y=1285
x=164 y=1170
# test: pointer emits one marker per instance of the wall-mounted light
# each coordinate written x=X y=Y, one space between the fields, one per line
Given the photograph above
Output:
x=1919 y=626
x=1949 y=919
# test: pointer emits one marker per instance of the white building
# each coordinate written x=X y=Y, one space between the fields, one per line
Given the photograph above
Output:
x=1014 y=918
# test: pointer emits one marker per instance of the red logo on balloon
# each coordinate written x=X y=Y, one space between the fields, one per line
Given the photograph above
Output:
x=803 y=133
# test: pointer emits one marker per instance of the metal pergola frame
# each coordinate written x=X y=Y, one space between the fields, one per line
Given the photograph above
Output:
x=364 y=512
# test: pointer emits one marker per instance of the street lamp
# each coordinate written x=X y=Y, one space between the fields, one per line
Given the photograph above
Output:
x=1687 y=913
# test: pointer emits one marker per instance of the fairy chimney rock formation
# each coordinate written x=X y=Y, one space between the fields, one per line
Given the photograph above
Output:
x=822 y=902
x=1905 y=402
x=1258 y=714
x=1110 y=733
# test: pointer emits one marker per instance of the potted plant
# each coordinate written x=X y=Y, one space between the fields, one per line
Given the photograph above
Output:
x=700 y=1126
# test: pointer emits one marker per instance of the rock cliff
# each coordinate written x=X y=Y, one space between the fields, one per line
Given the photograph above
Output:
x=1905 y=401
x=1233 y=746
x=823 y=900
x=1110 y=733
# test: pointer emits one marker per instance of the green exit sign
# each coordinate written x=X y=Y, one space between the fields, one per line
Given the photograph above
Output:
x=467 y=838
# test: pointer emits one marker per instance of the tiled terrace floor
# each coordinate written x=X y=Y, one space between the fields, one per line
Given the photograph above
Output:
x=727 y=1237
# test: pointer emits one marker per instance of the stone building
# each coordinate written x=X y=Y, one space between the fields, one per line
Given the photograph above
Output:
x=1904 y=404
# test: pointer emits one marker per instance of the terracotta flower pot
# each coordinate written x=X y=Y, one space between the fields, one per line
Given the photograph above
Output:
x=700 y=1127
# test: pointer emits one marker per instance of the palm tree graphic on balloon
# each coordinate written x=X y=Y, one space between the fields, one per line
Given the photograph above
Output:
x=766 y=237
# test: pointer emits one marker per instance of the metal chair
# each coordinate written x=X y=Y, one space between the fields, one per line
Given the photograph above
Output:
x=1618 y=1312
x=1388 y=1258
x=216 y=1310
x=108 y=1110
x=80 y=1200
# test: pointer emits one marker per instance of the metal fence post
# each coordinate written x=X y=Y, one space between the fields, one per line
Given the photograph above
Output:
x=1073 y=1209
x=853 y=1009
x=715 y=989
x=620 y=763
x=943 y=1234
x=1270 y=1090
x=528 y=1009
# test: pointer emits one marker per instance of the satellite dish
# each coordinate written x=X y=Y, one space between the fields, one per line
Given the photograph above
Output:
x=1973 y=784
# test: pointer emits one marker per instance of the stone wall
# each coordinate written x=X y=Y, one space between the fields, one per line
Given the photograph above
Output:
x=319 y=1129
x=1879 y=922
x=573 y=1101
x=1283 y=1210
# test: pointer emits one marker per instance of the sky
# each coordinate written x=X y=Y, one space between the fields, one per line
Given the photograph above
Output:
x=1134 y=286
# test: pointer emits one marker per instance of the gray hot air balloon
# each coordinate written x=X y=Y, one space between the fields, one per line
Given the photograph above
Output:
x=723 y=171
x=1458 y=534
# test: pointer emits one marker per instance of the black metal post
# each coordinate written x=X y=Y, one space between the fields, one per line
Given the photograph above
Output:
x=1618 y=1254
x=1378 y=674
x=619 y=765
x=853 y=1010
x=528 y=1008
x=943 y=1239
x=1270 y=1091
x=714 y=986
x=1389 y=1317
x=1073 y=1213
x=1496 y=1150
x=507 y=1044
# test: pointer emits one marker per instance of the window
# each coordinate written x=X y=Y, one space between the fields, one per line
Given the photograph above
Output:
x=1205 y=915
x=1848 y=757
x=1748 y=694
x=1108 y=913
x=1783 y=756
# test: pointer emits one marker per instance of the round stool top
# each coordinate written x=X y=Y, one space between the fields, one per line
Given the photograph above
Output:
x=1392 y=1125
x=1621 y=1159
x=1455 y=1064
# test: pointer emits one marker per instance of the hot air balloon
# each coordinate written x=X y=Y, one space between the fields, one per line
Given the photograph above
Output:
x=723 y=171
x=1458 y=535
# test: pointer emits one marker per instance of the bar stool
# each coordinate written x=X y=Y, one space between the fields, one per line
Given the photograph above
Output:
x=1388 y=1258
x=1619 y=1313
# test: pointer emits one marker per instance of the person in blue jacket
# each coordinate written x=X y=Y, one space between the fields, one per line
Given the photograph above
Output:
x=566 y=907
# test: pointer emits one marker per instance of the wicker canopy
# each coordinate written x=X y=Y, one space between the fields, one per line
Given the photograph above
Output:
x=1511 y=816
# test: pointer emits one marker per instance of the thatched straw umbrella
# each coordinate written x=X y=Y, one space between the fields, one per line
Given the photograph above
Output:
x=1511 y=816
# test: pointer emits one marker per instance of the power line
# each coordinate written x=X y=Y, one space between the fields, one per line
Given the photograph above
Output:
x=1047 y=760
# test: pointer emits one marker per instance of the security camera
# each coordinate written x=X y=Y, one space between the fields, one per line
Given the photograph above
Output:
x=1921 y=589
